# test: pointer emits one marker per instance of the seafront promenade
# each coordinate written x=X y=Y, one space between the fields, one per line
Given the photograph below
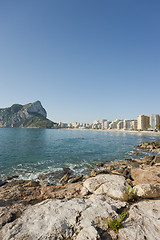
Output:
x=118 y=131
x=142 y=123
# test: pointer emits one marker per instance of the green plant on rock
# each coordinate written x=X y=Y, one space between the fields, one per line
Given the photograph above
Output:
x=116 y=223
x=129 y=194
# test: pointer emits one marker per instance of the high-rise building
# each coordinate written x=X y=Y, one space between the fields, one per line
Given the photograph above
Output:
x=143 y=122
x=113 y=125
x=96 y=124
x=102 y=123
x=154 y=121
x=105 y=124
x=134 y=125
x=120 y=125
x=127 y=124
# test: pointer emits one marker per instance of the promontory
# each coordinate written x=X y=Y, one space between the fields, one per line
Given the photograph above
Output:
x=31 y=115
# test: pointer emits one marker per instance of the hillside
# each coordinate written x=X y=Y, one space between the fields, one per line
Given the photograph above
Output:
x=31 y=115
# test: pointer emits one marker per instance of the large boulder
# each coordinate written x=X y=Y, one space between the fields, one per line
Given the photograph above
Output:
x=113 y=186
x=143 y=222
x=57 y=219
x=76 y=219
x=147 y=174
x=147 y=190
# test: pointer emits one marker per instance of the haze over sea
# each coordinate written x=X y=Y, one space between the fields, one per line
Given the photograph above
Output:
x=30 y=152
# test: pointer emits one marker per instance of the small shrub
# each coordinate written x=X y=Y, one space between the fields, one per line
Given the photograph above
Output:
x=129 y=194
x=117 y=223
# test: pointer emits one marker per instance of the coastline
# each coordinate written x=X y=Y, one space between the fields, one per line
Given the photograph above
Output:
x=115 y=130
x=82 y=202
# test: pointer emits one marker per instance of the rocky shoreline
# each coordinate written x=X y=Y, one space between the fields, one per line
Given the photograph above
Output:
x=76 y=208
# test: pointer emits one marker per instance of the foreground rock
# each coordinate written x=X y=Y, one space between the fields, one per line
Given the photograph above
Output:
x=146 y=174
x=16 y=196
x=79 y=219
x=111 y=185
x=143 y=222
x=56 y=219
x=152 y=146
x=147 y=191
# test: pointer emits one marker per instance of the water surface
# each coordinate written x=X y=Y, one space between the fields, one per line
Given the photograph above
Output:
x=29 y=152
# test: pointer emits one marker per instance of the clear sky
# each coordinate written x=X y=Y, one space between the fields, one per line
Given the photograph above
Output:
x=83 y=59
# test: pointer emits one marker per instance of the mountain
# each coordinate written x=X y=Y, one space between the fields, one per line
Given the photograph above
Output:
x=31 y=115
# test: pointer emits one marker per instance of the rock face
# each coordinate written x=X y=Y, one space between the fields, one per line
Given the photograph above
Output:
x=57 y=219
x=29 y=115
x=79 y=219
x=31 y=211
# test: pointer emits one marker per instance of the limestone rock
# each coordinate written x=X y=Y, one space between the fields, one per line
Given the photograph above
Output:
x=100 y=164
x=93 y=173
x=32 y=184
x=57 y=219
x=84 y=191
x=10 y=213
x=108 y=167
x=65 y=178
x=76 y=179
x=54 y=177
x=148 y=159
x=41 y=177
x=147 y=190
x=146 y=175
x=156 y=160
x=36 y=107
x=10 y=177
x=143 y=222
x=136 y=153
x=152 y=146
x=60 y=191
x=113 y=186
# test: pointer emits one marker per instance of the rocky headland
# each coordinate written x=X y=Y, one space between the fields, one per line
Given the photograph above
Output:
x=31 y=115
x=117 y=200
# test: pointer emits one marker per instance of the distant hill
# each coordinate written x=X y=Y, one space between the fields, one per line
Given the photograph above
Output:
x=31 y=115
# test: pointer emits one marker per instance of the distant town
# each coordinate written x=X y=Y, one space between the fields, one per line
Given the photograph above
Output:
x=142 y=123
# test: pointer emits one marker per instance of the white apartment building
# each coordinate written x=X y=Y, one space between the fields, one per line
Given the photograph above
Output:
x=102 y=123
x=134 y=125
x=96 y=124
x=62 y=125
x=120 y=125
x=154 y=121
x=75 y=125
x=105 y=124
x=113 y=125
x=127 y=124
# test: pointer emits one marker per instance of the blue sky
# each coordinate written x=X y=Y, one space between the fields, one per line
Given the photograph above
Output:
x=83 y=59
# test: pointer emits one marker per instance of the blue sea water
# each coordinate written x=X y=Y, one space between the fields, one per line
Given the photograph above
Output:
x=30 y=152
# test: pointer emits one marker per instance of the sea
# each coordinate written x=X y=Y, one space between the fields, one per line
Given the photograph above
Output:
x=28 y=153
